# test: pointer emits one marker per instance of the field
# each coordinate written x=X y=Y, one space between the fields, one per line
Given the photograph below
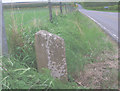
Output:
x=83 y=46
x=110 y=9
x=99 y=6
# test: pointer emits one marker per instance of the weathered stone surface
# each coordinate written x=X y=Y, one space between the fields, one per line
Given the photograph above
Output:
x=50 y=53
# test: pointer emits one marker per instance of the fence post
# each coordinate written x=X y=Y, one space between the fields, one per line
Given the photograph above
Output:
x=65 y=8
x=0 y=27
x=3 y=41
x=50 y=10
x=61 y=7
x=0 y=43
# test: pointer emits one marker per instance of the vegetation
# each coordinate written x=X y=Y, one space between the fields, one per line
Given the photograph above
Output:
x=98 y=4
x=83 y=44
x=30 y=5
x=112 y=6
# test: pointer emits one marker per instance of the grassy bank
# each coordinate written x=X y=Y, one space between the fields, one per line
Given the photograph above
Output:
x=110 y=9
x=84 y=41
x=100 y=6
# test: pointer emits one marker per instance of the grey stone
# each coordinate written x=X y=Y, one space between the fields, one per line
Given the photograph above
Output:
x=50 y=53
x=3 y=39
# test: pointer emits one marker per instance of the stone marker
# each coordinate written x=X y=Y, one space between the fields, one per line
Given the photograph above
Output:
x=50 y=53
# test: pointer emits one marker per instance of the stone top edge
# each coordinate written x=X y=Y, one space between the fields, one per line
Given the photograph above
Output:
x=44 y=32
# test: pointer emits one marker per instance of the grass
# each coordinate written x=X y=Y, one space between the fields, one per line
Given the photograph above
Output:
x=24 y=17
x=99 y=6
x=19 y=75
x=104 y=10
x=113 y=8
x=84 y=41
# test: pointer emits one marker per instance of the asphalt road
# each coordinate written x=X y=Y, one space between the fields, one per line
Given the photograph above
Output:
x=108 y=21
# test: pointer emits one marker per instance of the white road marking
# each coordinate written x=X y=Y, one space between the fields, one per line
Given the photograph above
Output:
x=115 y=36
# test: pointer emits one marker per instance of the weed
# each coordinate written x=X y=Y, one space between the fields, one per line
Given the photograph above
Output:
x=83 y=42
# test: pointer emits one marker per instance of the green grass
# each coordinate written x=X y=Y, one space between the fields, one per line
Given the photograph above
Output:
x=104 y=10
x=84 y=41
x=113 y=8
x=19 y=75
x=25 y=17
x=99 y=6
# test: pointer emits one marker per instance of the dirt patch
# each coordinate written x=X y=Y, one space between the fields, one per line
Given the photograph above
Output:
x=102 y=74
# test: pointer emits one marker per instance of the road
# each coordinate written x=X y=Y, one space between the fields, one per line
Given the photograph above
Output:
x=108 y=21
